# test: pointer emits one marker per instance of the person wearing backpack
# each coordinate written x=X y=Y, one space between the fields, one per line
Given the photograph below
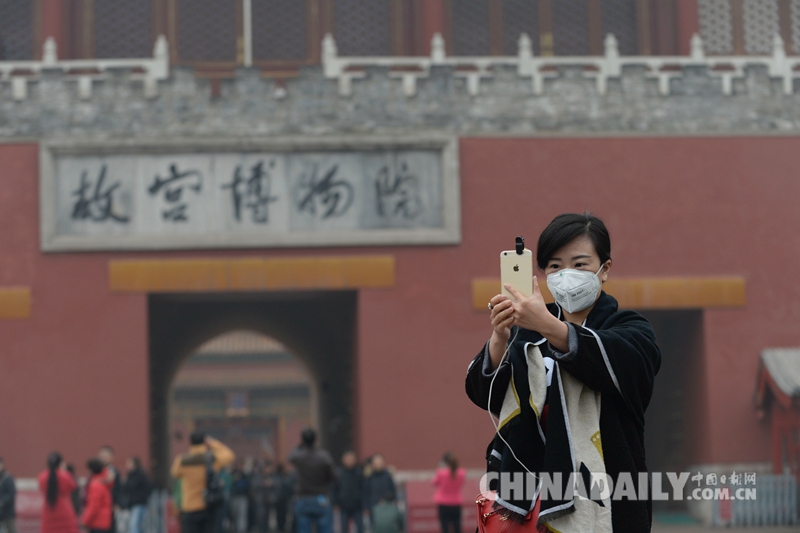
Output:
x=198 y=471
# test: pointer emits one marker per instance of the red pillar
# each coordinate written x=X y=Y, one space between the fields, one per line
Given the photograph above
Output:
x=53 y=16
x=432 y=22
x=688 y=24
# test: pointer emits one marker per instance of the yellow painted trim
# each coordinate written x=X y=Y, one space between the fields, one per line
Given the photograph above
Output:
x=533 y=406
x=251 y=274
x=598 y=443
x=513 y=413
x=509 y=418
x=645 y=293
x=15 y=302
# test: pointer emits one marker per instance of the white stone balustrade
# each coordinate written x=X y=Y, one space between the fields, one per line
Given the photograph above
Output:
x=85 y=71
x=600 y=68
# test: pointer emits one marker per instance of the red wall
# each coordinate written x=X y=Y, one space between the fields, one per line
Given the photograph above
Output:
x=74 y=375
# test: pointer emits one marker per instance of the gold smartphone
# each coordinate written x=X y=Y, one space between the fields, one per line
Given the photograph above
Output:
x=517 y=270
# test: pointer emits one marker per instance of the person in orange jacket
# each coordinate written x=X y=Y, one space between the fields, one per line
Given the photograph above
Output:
x=99 y=505
x=191 y=470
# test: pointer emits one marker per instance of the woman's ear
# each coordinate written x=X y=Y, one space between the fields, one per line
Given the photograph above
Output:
x=604 y=272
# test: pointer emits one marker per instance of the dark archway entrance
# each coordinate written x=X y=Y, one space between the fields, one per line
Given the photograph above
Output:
x=319 y=327
x=247 y=390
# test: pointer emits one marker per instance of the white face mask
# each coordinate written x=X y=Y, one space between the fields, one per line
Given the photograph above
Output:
x=574 y=290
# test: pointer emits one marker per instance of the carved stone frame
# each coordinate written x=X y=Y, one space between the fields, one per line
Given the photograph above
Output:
x=449 y=233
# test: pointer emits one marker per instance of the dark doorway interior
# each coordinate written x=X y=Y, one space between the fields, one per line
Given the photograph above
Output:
x=319 y=327
x=670 y=429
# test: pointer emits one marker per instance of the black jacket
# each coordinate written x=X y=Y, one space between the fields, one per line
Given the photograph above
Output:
x=348 y=491
x=634 y=360
x=240 y=483
x=314 y=468
x=8 y=496
x=116 y=488
x=136 y=489
x=276 y=488
x=379 y=485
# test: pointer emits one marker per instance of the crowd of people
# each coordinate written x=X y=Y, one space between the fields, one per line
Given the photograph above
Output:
x=106 y=499
x=215 y=493
x=252 y=492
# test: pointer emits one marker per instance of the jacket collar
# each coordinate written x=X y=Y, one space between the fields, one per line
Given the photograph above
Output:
x=605 y=306
x=197 y=449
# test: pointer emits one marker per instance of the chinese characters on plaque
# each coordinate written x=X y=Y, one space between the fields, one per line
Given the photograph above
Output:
x=195 y=195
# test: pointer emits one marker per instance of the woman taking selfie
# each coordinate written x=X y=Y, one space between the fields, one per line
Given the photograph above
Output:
x=568 y=383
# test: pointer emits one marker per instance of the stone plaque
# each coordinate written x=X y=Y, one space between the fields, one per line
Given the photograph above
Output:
x=230 y=194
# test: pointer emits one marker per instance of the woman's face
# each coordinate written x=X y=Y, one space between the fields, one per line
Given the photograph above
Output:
x=579 y=254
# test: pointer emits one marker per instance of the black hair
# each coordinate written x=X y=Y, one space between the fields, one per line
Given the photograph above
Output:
x=308 y=436
x=451 y=461
x=54 y=460
x=197 y=437
x=95 y=465
x=137 y=463
x=567 y=227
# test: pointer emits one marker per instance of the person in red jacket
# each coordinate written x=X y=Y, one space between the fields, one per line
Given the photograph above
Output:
x=58 y=515
x=99 y=505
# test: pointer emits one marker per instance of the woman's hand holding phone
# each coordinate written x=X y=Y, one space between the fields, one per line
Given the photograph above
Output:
x=502 y=318
x=532 y=314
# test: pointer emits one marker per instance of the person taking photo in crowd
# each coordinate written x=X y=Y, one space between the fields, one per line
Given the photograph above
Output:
x=315 y=473
x=192 y=469
x=448 y=481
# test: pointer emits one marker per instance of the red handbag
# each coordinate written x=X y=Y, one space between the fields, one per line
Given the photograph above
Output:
x=492 y=520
